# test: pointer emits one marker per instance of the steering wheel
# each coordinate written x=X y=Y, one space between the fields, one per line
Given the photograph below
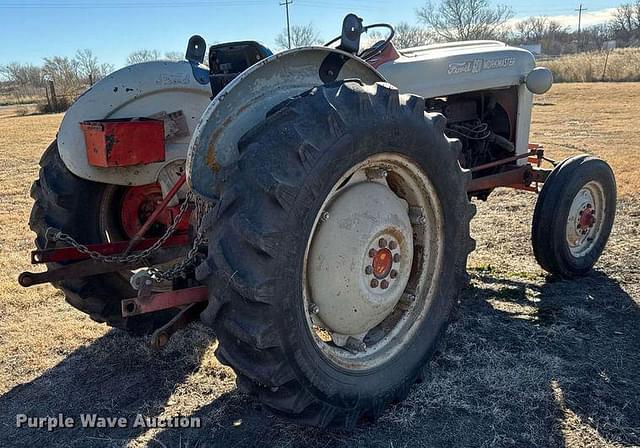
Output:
x=378 y=47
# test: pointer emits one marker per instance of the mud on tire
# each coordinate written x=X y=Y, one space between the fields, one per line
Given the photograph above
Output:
x=71 y=204
x=268 y=202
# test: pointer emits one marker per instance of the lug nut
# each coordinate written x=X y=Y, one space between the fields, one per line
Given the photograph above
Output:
x=314 y=309
x=396 y=258
x=422 y=220
x=324 y=217
x=392 y=245
x=372 y=253
x=393 y=274
x=382 y=243
x=374 y=283
x=368 y=270
x=384 y=284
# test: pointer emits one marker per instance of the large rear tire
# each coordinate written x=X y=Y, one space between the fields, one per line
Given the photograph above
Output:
x=307 y=151
x=74 y=205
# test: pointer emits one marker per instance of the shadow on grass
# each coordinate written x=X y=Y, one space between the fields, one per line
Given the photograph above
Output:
x=113 y=376
x=522 y=364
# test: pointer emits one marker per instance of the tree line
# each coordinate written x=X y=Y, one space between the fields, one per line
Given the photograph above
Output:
x=456 y=20
x=441 y=21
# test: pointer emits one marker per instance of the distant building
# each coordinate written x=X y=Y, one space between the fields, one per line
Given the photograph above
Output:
x=533 y=48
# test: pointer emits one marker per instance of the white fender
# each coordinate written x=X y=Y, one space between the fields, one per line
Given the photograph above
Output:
x=139 y=90
x=245 y=102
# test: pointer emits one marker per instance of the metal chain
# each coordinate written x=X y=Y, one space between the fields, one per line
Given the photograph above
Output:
x=201 y=208
x=177 y=270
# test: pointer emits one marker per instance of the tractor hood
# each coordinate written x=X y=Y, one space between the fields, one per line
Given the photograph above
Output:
x=446 y=69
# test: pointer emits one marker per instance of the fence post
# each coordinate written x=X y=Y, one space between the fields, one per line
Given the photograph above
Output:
x=54 y=100
x=46 y=92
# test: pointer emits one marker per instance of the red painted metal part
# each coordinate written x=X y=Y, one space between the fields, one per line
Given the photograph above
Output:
x=525 y=177
x=159 y=210
x=587 y=219
x=124 y=142
x=164 y=301
x=138 y=204
x=515 y=178
x=389 y=54
x=66 y=254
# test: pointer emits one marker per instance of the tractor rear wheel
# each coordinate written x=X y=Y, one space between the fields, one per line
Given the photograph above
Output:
x=339 y=249
x=85 y=211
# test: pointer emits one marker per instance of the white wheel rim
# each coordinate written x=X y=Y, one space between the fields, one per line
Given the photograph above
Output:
x=585 y=219
x=416 y=279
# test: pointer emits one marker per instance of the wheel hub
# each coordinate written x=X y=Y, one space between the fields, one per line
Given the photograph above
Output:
x=587 y=219
x=139 y=203
x=583 y=223
x=360 y=258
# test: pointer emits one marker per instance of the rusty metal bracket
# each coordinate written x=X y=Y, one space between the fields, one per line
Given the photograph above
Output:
x=517 y=178
x=148 y=303
x=161 y=336
x=76 y=270
x=87 y=268
x=67 y=254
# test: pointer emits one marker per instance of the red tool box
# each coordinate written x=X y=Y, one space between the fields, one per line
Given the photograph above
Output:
x=124 y=141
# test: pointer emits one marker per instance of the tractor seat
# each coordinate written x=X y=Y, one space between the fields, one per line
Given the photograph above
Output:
x=227 y=61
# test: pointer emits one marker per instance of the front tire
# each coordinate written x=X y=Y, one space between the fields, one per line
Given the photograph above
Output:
x=270 y=203
x=574 y=216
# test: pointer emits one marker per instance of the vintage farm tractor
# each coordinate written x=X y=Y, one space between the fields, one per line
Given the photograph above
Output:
x=312 y=206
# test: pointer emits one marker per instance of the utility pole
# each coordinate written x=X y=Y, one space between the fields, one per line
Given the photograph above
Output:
x=580 y=10
x=286 y=4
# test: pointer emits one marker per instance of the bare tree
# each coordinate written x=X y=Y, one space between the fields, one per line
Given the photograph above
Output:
x=535 y=29
x=301 y=36
x=174 y=55
x=25 y=75
x=408 y=35
x=595 y=36
x=139 y=56
x=64 y=72
x=550 y=34
x=452 y=20
x=89 y=69
x=626 y=23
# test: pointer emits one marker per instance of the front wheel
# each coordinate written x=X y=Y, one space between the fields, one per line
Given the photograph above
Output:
x=339 y=250
x=574 y=216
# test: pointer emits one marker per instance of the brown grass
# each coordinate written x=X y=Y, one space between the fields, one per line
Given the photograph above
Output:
x=525 y=363
x=600 y=119
x=622 y=66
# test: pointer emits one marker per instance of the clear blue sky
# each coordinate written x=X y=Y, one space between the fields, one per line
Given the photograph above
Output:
x=31 y=30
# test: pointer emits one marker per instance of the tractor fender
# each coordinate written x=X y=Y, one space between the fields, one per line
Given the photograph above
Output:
x=140 y=90
x=245 y=102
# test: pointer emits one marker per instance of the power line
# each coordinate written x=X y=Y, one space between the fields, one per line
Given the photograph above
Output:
x=131 y=4
x=286 y=4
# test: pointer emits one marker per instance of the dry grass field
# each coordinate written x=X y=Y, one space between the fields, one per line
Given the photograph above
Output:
x=620 y=65
x=528 y=361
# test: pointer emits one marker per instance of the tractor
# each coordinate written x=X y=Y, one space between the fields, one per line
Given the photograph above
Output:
x=311 y=206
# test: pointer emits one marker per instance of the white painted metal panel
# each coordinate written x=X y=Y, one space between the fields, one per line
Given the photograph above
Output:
x=139 y=90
